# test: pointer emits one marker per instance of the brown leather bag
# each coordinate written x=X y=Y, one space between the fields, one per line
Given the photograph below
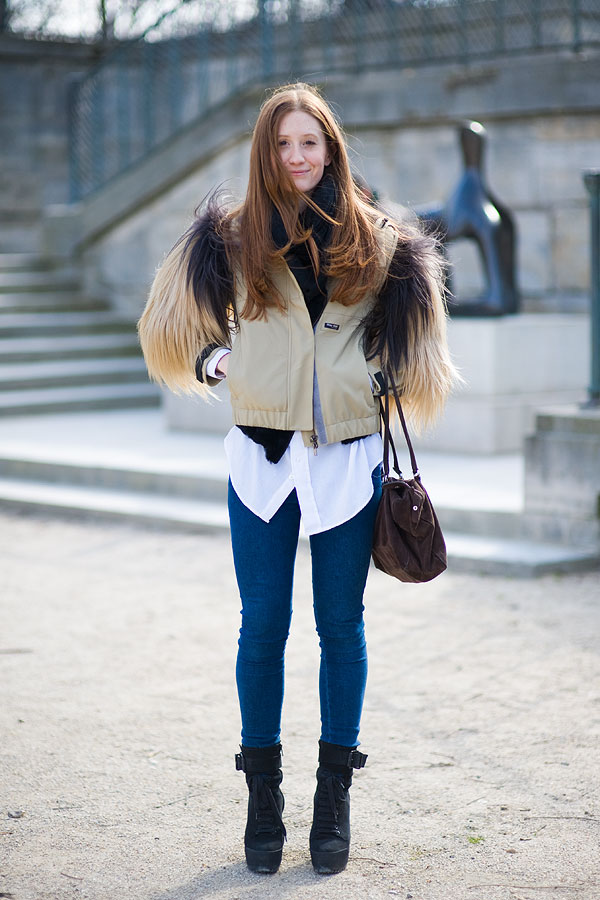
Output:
x=408 y=542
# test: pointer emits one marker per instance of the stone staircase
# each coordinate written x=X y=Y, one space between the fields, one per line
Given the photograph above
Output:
x=61 y=351
x=128 y=466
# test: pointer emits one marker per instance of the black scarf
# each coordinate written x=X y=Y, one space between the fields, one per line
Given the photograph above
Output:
x=313 y=287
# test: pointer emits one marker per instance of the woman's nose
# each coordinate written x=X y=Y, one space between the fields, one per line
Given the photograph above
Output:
x=296 y=154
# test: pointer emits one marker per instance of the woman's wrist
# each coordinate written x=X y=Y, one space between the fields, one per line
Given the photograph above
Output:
x=222 y=364
x=211 y=365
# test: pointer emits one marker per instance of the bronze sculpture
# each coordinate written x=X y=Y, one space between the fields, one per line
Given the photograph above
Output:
x=472 y=211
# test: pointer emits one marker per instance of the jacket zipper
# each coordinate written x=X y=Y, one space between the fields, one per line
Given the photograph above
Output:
x=314 y=437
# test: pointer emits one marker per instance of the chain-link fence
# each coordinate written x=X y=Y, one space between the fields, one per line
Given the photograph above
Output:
x=209 y=50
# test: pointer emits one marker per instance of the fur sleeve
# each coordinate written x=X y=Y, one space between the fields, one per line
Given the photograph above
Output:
x=406 y=328
x=190 y=304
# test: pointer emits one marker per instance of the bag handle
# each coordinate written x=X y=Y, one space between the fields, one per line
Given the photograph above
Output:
x=388 y=441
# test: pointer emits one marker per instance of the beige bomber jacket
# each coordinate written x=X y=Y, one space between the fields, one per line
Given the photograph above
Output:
x=278 y=366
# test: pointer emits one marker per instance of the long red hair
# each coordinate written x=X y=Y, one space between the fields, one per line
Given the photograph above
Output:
x=352 y=257
x=192 y=301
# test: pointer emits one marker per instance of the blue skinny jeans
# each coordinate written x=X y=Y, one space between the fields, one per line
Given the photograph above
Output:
x=264 y=554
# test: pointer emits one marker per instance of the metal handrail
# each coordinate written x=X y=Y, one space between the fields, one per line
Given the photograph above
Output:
x=592 y=182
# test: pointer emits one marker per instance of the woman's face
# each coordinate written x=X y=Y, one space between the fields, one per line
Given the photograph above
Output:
x=302 y=149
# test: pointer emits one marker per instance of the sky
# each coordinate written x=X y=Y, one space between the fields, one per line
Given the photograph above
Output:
x=72 y=18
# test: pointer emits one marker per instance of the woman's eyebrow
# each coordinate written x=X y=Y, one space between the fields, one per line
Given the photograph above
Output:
x=308 y=134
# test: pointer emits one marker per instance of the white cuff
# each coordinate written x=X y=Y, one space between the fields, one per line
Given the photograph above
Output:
x=211 y=368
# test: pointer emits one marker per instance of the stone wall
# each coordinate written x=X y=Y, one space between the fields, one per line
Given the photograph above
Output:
x=541 y=115
x=122 y=262
x=533 y=166
x=34 y=84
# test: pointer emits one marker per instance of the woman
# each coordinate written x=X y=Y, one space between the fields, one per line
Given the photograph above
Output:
x=302 y=297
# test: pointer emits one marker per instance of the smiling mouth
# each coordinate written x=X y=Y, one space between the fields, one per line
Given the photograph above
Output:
x=305 y=172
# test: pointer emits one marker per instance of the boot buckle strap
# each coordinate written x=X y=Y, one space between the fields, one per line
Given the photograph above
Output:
x=268 y=762
x=357 y=760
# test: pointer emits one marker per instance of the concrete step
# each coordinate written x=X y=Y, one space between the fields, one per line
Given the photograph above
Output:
x=71 y=399
x=59 y=373
x=62 y=323
x=517 y=559
x=22 y=349
x=201 y=483
x=466 y=553
x=16 y=282
x=51 y=301
x=205 y=483
x=484 y=522
x=147 y=509
x=116 y=471
x=24 y=262
x=129 y=465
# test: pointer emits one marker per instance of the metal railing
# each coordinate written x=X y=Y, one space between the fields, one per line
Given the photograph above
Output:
x=592 y=182
x=207 y=51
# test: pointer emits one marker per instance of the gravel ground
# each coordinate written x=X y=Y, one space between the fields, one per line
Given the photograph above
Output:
x=119 y=723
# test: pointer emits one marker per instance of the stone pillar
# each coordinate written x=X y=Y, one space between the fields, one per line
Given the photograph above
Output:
x=562 y=476
x=196 y=414
x=512 y=366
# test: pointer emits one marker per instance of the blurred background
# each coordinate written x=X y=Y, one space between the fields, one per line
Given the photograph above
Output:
x=117 y=119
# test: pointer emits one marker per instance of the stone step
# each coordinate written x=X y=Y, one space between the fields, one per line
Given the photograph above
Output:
x=103 y=449
x=128 y=465
x=148 y=509
x=71 y=399
x=57 y=373
x=23 y=262
x=115 y=471
x=13 y=282
x=62 y=323
x=502 y=524
x=21 y=349
x=59 y=350
x=466 y=553
x=51 y=301
x=203 y=483
x=519 y=559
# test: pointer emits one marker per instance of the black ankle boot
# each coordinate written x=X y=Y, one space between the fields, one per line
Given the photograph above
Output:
x=265 y=831
x=330 y=832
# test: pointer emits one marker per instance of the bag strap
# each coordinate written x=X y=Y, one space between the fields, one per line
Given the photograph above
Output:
x=388 y=441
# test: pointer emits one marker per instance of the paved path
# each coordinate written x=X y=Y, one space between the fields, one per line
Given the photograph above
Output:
x=118 y=724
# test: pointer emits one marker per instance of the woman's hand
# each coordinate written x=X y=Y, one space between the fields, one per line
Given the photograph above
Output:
x=221 y=368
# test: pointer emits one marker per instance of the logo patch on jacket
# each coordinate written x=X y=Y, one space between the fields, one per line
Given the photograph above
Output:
x=331 y=325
